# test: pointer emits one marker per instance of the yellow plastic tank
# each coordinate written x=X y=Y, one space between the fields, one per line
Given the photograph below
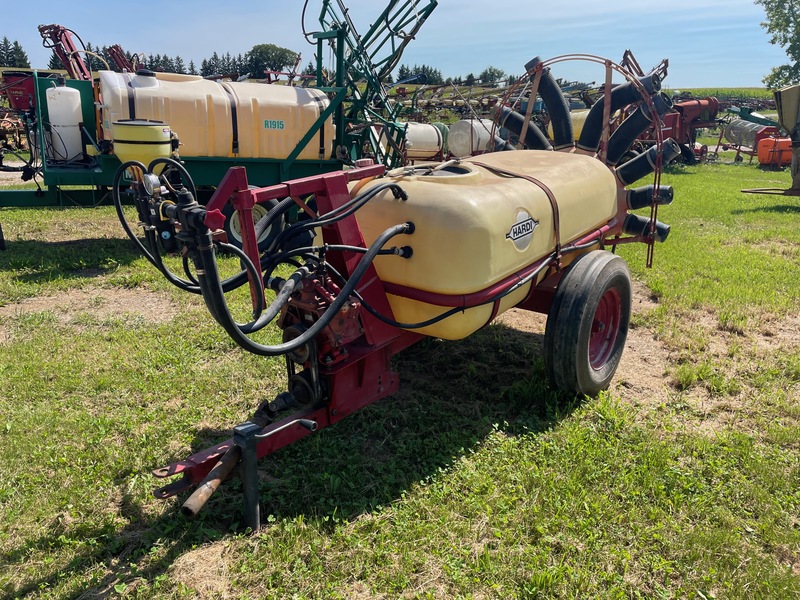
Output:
x=578 y=118
x=141 y=140
x=474 y=227
x=220 y=119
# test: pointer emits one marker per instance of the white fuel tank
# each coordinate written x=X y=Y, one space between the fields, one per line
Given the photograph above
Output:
x=475 y=227
x=220 y=119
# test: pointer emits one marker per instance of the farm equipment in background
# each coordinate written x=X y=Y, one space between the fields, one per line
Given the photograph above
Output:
x=276 y=132
x=752 y=134
x=688 y=115
x=787 y=101
x=434 y=250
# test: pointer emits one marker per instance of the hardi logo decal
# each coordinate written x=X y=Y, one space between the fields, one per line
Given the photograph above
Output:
x=522 y=231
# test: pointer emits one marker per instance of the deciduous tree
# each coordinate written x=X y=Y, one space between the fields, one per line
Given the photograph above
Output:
x=268 y=57
x=783 y=25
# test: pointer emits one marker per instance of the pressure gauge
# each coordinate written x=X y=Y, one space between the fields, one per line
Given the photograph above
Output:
x=151 y=183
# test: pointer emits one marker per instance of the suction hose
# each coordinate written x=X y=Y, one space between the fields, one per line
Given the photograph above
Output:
x=633 y=126
x=622 y=95
x=645 y=163
x=533 y=138
x=556 y=105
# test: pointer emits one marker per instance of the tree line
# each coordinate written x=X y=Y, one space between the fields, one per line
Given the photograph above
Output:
x=261 y=58
x=425 y=74
x=781 y=24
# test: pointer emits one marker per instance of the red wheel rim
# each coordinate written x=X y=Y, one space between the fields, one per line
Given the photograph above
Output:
x=605 y=328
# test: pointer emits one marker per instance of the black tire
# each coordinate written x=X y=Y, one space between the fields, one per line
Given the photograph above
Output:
x=687 y=154
x=588 y=324
x=629 y=155
x=233 y=228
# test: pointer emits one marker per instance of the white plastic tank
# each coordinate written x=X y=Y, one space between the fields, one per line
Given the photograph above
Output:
x=424 y=141
x=64 y=110
x=469 y=137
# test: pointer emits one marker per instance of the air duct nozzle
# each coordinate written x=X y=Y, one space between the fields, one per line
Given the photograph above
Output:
x=640 y=227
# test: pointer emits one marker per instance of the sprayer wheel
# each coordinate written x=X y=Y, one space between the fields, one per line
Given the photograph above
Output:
x=233 y=227
x=588 y=323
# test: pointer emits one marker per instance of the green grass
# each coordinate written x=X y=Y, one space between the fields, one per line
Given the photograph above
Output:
x=474 y=481
x=730 y=93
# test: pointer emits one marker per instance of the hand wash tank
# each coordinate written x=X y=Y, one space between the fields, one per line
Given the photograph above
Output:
x=474 y=227
x=220 y=119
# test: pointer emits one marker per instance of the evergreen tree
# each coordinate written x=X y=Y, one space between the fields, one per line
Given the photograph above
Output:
x=214 y=64
x=178 y=65
x=226 y=64
x=5 y=52
x=192 y=68
x=18 y=57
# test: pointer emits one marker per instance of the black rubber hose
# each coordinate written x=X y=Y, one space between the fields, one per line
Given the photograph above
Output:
x=255 y=275
x=337 y=214
x=632 y=127
x=621 y=96
x=501 y=145
x=277 y=304
x=533 y=138
x=282 y=206
x=645 y=163
x=556 y=105
x=154 y=257
x=171 y=162
x=208 y=275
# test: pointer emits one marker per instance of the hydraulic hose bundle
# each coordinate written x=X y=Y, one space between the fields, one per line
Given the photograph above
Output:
x=172 y=218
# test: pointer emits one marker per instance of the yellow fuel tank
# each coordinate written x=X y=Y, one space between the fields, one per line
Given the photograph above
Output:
x=475 y=227
x=220 y=119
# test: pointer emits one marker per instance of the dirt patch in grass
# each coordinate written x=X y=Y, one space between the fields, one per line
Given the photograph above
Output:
x=11 y=177
x=646 y=377
x=204 y=571
x=98 y=303
x=643 y=375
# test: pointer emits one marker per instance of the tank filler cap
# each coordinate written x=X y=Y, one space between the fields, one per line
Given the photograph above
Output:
x=145 y=72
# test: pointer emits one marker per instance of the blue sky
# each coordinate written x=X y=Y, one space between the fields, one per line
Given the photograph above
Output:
x=709 y=43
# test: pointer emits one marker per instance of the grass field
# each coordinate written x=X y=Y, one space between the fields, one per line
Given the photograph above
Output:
x=474 y=481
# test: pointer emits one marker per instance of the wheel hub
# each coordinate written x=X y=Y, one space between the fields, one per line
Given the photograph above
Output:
x=605 y=328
